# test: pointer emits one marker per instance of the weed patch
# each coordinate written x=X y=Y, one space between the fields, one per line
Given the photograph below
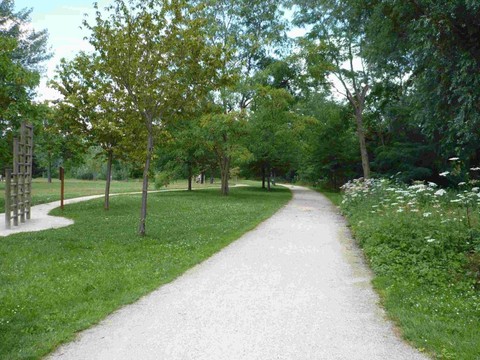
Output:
x=423 y=245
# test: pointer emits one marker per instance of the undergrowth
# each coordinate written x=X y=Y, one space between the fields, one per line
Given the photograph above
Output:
x=423 y=243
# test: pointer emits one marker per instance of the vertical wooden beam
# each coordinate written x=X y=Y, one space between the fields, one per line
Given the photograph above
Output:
x=15 y=182
x=8 y=198
x=29 y=161
x=22 y=160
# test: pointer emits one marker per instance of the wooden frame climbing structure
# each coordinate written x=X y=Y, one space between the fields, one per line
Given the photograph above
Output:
x=18 y=183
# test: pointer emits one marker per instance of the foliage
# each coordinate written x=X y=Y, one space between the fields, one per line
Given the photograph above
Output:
x=275 y=132
x=158 y=63
x=421 y=243
x=162 y=179
x=22 y=51
x=431 y=49
x=78 y=275
x=333 y=53
x=223 y=135
x=331 y=149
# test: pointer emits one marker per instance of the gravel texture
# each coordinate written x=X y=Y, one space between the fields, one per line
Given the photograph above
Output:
x=296 y=287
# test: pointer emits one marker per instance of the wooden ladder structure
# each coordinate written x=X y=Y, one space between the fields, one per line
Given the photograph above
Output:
x=18 y=183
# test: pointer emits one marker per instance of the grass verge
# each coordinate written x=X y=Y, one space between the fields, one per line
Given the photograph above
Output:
x=335 y=196
x=55 y=283
x=424 y=246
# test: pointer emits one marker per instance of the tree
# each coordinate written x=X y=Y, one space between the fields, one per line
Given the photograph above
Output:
x=248 y=32
x=48 y=140
x=330 y=152
x=155 y=55
x=93 y=109
x=22 y=51
x=334 y=47
x=275 y=132
x=435 y=45
x=184 y=151
x=223 y=133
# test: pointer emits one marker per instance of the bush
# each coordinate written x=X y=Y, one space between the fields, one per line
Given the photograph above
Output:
x=163 y=179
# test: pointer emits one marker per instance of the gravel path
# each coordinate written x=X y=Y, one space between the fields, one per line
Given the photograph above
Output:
x=294 y=288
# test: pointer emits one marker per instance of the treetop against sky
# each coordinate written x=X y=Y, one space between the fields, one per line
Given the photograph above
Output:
x=63 y=20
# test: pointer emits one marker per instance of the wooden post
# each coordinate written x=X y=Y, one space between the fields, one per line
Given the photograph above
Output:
x=8 y=197
x=28 y=175
x=21 y=172
x=15 y=186
x=62 y=186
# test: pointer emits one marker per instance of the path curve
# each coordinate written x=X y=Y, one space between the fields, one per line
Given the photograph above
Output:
x=296 y=287
x=41 y=220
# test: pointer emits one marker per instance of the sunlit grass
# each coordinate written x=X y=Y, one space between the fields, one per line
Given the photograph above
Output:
x=43 y=192
x=57 y=282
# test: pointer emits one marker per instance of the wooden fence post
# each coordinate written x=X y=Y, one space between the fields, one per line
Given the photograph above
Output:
x=8 y=197
x=16 y=199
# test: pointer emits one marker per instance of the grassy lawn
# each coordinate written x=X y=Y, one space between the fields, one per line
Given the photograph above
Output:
x=43 y=192
x=57 y=282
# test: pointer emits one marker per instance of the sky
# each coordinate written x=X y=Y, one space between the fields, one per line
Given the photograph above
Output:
x=63 y=19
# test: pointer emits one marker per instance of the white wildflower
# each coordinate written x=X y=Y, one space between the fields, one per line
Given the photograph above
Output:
x=440 y=192
x=427 y=214
x=453 y=159
x=445 y=173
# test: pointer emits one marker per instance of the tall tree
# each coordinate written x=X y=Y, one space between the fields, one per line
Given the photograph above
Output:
x=330 y=152
x=91 y=107
x=435 y=46
x=248 y=32
x=22 y=52
x=223 y=133
x=155 y=54
x=333 y=47
x=275 y=132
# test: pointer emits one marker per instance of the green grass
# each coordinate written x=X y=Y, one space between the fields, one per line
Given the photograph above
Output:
x=43 y=192
x=335 y=196
x=424 y=251
x=57 y=282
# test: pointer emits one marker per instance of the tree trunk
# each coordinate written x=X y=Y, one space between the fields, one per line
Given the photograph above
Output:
x=202 y=177
x=224 y=169
x=49 y=172
x=361 y=140
x=268 y=178
x=143 y=211
x=106 y=204
x=263 y=176
x=190 y=175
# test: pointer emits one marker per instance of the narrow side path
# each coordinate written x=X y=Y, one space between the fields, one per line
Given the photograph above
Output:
x=42 y=221
x=295 y=287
